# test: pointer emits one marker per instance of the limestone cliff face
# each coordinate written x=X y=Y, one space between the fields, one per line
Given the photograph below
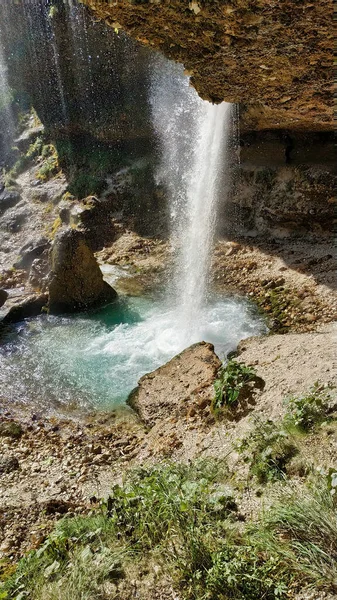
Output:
x=275 y=57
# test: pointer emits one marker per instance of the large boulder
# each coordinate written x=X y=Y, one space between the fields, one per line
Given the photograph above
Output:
x=182 y=385
x=76 y=282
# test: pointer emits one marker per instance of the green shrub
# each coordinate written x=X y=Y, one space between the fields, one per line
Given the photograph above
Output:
x=230 y=380
x=267 y=450
x=308 y=410
x=243 y=571
x=170 y=510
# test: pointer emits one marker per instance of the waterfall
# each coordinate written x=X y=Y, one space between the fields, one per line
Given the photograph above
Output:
x=193 y=136
x=7 y=122
x=81 y=51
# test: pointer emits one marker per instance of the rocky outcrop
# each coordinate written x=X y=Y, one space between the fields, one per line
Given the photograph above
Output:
x=283 y=187
x=275 y=58
x=3 y=297
x=76 y=282
x=67 y=71
x=22 y=306
x=182 y=386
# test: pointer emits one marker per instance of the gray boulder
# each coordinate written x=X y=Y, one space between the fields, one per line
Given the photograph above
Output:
x=23 y=306
x=8 y=199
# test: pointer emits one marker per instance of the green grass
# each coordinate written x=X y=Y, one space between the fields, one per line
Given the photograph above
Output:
x=37 y=151
x=184 y=518
x=303 y=530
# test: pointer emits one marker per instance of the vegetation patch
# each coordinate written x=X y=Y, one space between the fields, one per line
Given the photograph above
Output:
x=303 y=530
x=268 y=449
x=39 y=153
x=308 y=410
x=184 y=518
x=230 y=381
x=50 y=164
x=281 y=304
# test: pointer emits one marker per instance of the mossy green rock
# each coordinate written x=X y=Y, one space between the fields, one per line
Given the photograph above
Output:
x=10 y=429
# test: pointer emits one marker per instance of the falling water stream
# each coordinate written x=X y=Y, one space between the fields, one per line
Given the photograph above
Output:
x=7 y=123
x=94 y=360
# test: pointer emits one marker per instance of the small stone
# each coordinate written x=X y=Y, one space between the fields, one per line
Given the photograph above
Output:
x=191 y=412
x=203 y=403
x=8 y=464
x=310 y=318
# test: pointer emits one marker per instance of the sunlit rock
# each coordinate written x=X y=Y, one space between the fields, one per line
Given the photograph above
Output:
x=176 y=388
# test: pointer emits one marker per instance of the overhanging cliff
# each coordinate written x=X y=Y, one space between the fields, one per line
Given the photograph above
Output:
x=275 y=57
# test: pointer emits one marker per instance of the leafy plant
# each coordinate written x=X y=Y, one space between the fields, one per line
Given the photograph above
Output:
x=242 y=570
x=332 y=481
x=267 y=450
x=230 y=381
x=308 y=410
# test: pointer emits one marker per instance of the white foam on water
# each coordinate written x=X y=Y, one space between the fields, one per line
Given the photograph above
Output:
x=91 y=362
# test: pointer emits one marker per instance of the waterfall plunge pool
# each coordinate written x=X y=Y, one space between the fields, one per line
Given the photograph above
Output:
x=93 y=361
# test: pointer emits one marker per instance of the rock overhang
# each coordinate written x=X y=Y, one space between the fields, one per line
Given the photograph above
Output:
x=275 y=58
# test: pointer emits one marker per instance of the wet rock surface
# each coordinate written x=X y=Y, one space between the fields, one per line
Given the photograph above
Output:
x=23 y=306
x=283 y=188
x=76 y=282
x=274 y=57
